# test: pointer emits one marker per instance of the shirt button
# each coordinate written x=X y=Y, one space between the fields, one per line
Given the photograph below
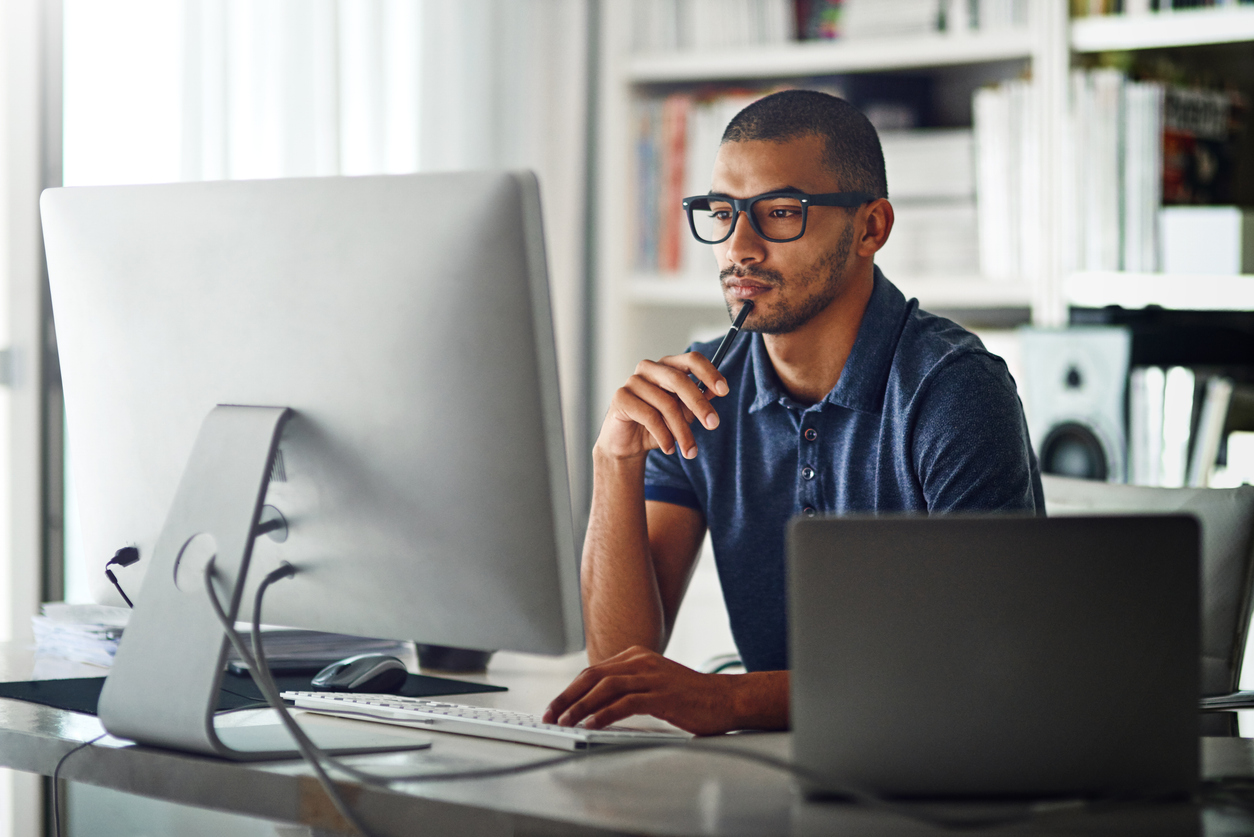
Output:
x=807 y=473
x=811 y=434
x=809 y=511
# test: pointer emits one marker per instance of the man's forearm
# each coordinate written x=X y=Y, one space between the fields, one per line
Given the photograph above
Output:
x=621 y=602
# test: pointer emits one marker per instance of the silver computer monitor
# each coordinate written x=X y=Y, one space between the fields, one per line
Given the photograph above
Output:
x=419 y=469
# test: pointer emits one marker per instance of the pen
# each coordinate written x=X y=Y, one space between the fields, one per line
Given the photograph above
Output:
x=725 y=346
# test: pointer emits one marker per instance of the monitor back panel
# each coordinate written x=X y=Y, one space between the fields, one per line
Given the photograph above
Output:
x=405 y=319
x=996 y=657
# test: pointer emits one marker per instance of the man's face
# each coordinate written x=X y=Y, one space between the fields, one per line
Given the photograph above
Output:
x=789 y=283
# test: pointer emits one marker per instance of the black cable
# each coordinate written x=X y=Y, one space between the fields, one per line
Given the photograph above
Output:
x=124 y=557
x=109 y=575
x=253 y=698
x=56 y=774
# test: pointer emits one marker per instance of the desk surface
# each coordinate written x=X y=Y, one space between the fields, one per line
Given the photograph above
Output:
x=657 y=792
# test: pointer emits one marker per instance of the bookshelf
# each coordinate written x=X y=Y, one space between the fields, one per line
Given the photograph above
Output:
x=642 y=313
x=817 y=58
x=1156 y=30
x=647 y=314
x=947 y=293
x=1177 y=291
x=1179 y=30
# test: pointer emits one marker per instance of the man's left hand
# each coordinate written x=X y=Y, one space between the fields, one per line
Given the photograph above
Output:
x=639 y=681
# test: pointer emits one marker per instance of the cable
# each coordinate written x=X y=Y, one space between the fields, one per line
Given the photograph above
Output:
x=261 y=676
x=253 y=698
x=315 y=757
x=124 y=557
x=56 y=771
x=56 y=774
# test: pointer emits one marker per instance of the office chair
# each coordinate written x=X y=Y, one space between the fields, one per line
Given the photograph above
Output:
x=1227 y=520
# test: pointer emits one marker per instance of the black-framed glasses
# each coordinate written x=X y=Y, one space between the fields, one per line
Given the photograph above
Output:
x=775 y=216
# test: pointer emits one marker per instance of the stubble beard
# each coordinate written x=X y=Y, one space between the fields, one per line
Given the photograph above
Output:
x=825 y=279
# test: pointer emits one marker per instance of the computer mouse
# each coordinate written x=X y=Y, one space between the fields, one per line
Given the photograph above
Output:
x=373 y=673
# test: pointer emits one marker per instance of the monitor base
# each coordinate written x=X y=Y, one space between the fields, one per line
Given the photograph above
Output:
x=163 y=687
x=336 y=737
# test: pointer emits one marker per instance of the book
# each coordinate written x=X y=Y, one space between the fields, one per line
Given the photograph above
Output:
x=1152 y=455
x=1114 y=156
x=1198 y=151
x=672 y=222
x=1178 y=394
x=1210 y=428
x=994 y=178
x=1008 y=192
x=670 y=25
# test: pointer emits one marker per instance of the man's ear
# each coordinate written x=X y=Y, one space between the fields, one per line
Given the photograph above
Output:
x=877 y=223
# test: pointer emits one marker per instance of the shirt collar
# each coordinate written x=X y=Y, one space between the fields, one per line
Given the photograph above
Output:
x=862 y=381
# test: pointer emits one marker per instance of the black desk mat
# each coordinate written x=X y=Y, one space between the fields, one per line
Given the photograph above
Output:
x=81 y=694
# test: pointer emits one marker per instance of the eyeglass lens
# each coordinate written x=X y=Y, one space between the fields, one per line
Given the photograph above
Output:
x=777 y=218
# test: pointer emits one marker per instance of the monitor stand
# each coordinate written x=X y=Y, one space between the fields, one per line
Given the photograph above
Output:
x=163 y=687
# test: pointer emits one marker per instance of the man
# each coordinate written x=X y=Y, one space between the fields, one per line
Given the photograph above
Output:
x=843 y=398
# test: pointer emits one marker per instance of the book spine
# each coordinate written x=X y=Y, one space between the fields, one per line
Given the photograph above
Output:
x=673 y=224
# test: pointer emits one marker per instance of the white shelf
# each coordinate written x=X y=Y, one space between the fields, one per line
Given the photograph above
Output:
x=824 y=57
x=933 y=292
x=1187 y=27
x=676 y=290
x=1185 y=292
x=963 y=293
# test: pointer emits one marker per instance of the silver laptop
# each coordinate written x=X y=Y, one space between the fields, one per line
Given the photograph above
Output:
x=995 y=657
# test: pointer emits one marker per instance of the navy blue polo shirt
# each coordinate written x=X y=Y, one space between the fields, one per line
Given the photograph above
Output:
x=923 y=419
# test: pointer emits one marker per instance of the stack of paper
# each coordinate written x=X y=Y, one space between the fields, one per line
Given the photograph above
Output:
x=290 y=645
x=82 y=633
x=89 y=633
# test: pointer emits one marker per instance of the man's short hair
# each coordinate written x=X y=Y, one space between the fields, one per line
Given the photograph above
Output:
x=853 y=147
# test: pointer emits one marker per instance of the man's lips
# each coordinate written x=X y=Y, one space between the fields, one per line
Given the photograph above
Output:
x=747 y=288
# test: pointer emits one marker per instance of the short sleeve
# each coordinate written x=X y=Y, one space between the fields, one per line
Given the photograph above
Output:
x=970 y=440
x=666 y=482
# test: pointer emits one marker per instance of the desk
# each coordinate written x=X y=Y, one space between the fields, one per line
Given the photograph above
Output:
x=663 y=792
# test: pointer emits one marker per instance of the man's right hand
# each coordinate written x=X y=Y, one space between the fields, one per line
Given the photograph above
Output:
x=656 y=406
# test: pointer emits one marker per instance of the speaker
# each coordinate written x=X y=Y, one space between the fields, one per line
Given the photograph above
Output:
x=1074 y=387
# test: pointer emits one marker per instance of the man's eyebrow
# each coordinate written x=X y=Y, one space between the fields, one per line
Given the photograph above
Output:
x=767 y=192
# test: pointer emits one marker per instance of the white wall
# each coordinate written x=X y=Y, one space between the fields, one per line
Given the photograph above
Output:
x=158 y=91
x=22 y=118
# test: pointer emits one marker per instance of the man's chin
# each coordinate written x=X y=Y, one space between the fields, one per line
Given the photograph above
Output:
x=776 y=319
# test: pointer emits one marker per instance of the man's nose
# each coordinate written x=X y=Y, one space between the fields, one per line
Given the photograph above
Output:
x=744 y=245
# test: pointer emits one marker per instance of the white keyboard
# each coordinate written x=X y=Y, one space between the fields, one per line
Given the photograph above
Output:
x=471 y=720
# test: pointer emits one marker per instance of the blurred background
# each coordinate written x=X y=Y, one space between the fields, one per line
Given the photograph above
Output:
x=1072 y=180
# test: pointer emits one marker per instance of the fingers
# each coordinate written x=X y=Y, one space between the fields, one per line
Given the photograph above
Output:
x=587 y=679
x=671 y=375
x=697 y=364
x=608 y=691
x=653 y=402
x=657 y=405
x=676 y=374
x=630 y=407
x=624 y=707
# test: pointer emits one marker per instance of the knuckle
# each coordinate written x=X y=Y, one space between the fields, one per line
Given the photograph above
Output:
x=616 y=682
